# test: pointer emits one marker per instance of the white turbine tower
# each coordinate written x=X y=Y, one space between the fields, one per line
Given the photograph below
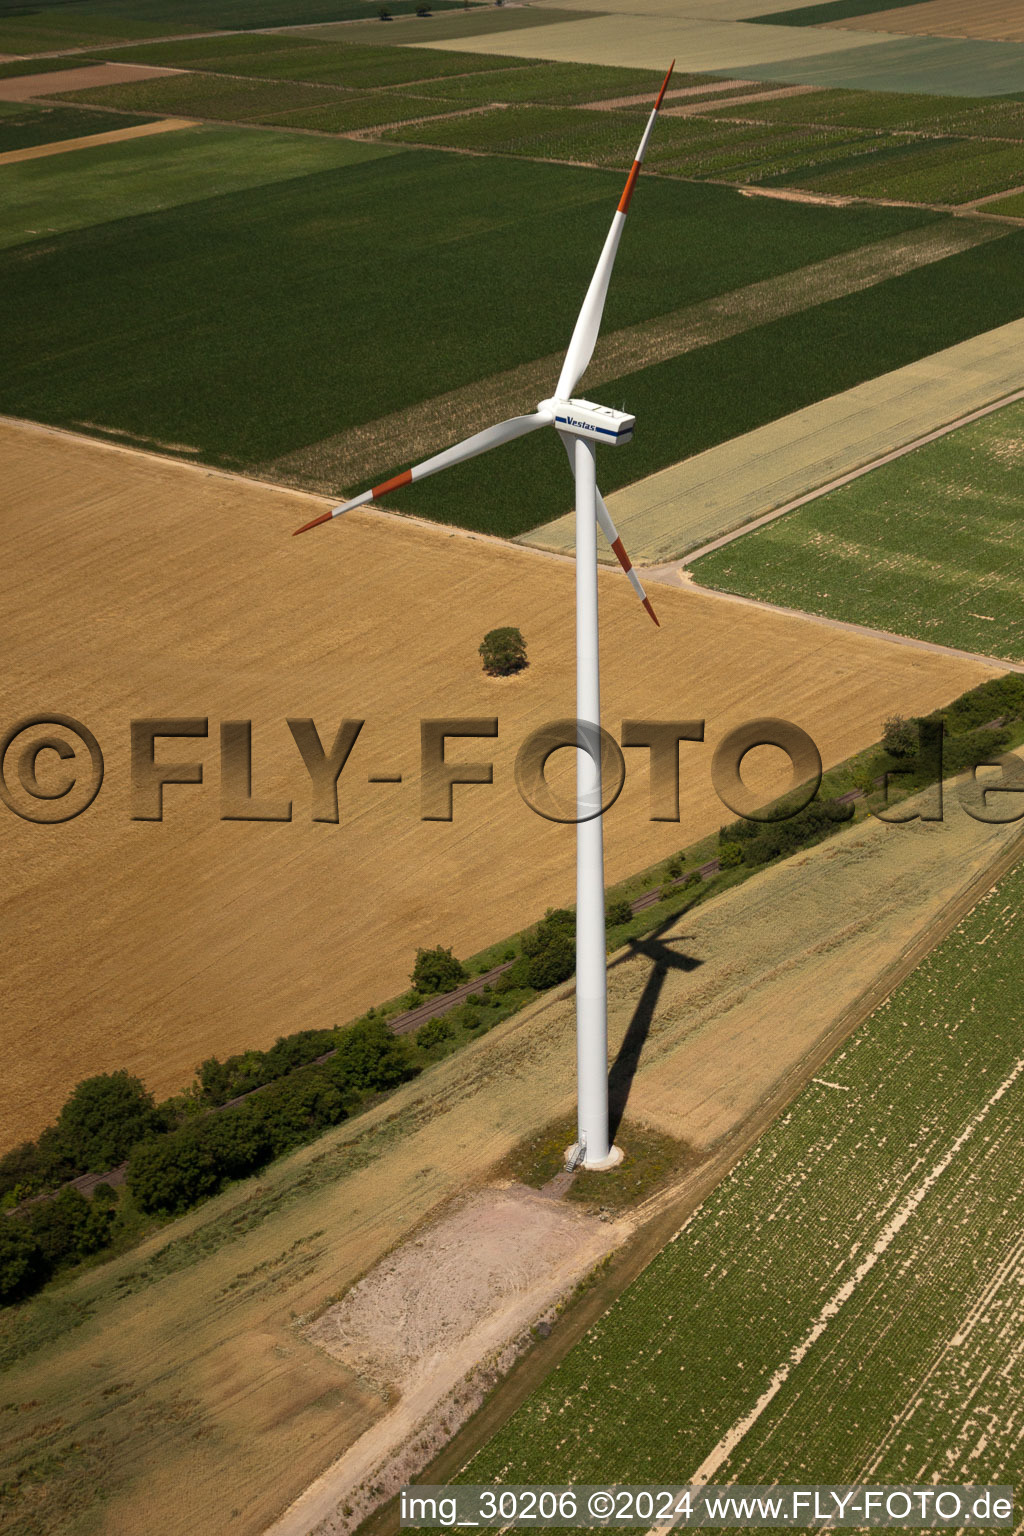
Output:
x=581 y=425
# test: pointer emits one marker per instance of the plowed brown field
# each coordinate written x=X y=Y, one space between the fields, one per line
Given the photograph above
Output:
x=140 y=587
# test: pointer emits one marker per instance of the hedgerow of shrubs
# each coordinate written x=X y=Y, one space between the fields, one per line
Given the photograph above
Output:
x=221 y=1081
x=51 y=1235
x=999 y=698
x=97 y=1127
x=170 y=1169
x=758 y=842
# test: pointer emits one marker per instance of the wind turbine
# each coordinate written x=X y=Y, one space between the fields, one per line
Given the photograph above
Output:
x=581 y=425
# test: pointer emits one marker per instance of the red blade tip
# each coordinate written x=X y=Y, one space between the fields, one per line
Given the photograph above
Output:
x=650 y=610
x=664 y=86
x=325 y=518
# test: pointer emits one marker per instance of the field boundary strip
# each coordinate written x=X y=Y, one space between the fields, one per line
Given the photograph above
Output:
x=403 y=436
x=846 y=479
x=94 y=140
x=667 y=517
x=912 y=641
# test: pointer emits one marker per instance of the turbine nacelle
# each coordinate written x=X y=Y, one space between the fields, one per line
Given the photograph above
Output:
x=582 y=418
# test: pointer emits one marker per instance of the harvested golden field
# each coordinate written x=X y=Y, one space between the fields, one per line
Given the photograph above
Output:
x=137 y=587
x=999 y=20
x=176 y=1389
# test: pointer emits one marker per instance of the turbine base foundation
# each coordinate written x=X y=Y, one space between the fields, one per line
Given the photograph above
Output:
x=600 y=1165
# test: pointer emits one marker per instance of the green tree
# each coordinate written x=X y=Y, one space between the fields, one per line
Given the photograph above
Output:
x=104 y=1118
x=294 y=1110
x=36 y=1165
x=730 y=855
x=433 y=1032
x=369 y=1059
x=557 y=922
x=21 y=1261
x=550 y=950
x=236 y=1140
x=437 y=970
x=69 y=1227
x=214 y=1081
x=554 y=963
x=899 y=736
x=503 y=652
x=172 y=1172
x=617 y=913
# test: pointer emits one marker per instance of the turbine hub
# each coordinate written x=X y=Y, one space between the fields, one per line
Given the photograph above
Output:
x=582 y=418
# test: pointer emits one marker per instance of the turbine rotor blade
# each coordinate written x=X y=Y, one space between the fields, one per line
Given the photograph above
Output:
x=607 y=527
x=480 y=442
x=588 y=322
x=619 y=550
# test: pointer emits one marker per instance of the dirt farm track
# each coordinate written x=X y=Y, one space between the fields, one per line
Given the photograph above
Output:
x=137 y=586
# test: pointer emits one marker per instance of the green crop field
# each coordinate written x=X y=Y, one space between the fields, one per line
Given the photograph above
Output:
x=535 y=133
x=852 y=143
x=839 y=157
x=334 y=314
x=558 y=84
x=54 y=24
x=928 y=171
x=929 y=546
x=37 y=31
x=356 y=66
x=981 y=116
x=717 y=392
x=351 y=111
x=684 y=146
x=754 y=154
x=13 y=67
x=206 y=52
x=480 y=21
x=23 y=125
x=217 y=96
x=1013 y=207
x=119 y=181
x=860 y=1268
